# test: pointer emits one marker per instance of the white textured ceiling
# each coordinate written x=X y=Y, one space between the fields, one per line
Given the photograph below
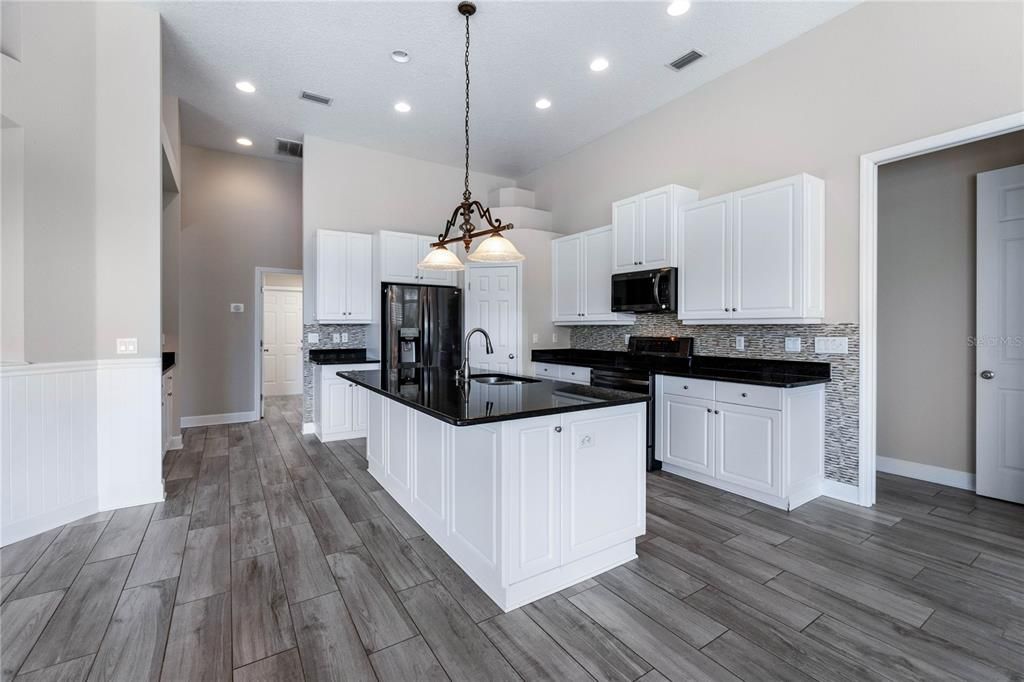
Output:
x=521 y=51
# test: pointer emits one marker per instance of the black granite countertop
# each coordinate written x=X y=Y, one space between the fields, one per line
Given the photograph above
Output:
x=168 y=361
x=338 y=356
x=759 y=372
x=435 y=392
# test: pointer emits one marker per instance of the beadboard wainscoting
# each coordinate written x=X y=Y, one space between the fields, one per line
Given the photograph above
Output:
x=766 y=341
x=77 y=438
x=356 y=339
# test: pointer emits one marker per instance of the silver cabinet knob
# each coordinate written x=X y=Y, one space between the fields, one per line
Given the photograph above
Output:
x=988 y=374
x=558 y=429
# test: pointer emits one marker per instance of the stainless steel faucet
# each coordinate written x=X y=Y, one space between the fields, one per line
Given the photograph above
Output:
x=462 y=374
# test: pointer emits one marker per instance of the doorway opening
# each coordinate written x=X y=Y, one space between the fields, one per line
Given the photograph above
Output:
x=278 y=320
x=947 y=248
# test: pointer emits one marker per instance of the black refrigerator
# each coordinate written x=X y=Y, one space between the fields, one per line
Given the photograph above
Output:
x=421 y=326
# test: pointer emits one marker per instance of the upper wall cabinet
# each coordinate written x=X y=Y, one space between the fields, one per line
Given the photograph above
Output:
x=343 y=277
x=400 y=252
x=756 y=254
x=581 y=279
x=644 y=228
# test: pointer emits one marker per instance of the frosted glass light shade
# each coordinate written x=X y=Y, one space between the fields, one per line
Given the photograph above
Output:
x=440 y=258
x=496 y=249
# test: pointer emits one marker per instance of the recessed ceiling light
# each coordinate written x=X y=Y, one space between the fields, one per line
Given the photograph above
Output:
x=244 y=141
x=678 y=7
x=245 y=86
x=402 y=107
x=599 y=64
x=543 y=103
x=400 y=56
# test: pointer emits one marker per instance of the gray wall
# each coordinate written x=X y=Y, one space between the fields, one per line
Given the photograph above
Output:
x=926 y=301
x=238 y=212
x=878 y=75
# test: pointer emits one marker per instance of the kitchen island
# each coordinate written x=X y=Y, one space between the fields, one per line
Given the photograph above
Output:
x=530 y=487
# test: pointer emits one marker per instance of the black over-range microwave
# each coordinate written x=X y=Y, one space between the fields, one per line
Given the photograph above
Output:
x=646 y=291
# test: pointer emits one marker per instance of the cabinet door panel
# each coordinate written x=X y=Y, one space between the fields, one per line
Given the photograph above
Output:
x=705 y=259
x=597 y=269
x=566 y=279
x=534 y=497
x=428 y=476
x=337 y=413
x=602 y=490
x=625 y=228
x=687 y=439
x=359 y=279
x=398 y=257
x=767 y=236
x=359 y=408
x=748 y=447
x=656 y=238
x=397 y=464
x=330 y=275
x=375 y=431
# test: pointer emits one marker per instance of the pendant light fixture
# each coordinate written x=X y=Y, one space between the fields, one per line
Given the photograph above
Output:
x=495 y=248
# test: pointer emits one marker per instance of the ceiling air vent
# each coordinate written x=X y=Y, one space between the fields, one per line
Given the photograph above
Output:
x=313 y=97
x=684 y=61
x=289 y=147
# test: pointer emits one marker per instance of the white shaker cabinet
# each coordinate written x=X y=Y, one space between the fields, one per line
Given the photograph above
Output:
x=341 y=406
x=761 y=442
x=344 y=277
x=644 y=228
x=399 y=253
x=754 y=255
x=581 y=274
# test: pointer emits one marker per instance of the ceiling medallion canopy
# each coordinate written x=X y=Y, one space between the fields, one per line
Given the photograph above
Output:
x=495 y=248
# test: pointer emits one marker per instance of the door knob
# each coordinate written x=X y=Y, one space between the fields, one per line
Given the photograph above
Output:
x=988 y=374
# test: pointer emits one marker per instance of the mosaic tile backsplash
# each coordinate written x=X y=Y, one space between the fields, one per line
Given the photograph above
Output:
x=356 y=339
x=766 y=341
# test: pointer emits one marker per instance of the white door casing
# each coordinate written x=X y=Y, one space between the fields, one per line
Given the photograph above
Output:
x=282 y=341
x=493 y=302
x=1000 y=335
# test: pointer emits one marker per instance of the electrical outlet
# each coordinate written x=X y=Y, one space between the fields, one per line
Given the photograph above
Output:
x=238 y=307
x=312 y=337
x=127 y=346
x=792 y=344
x=554 y=337
x=344 y=337
x=536 y=338
x=336 y=338
x=833 y=345
x=741 y=343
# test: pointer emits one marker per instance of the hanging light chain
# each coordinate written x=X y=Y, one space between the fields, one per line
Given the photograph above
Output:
x=466 y=194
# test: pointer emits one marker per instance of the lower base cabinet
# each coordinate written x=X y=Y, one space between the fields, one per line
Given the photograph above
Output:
x=526 y=507
x=341 y=412
x=761 y=442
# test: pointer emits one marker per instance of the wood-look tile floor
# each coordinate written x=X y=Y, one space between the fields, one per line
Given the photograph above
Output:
x=275 y=557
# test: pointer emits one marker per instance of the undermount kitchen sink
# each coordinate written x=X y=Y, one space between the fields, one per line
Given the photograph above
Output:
x=501 y=379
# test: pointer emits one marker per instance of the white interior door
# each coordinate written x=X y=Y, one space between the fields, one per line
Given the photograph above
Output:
x=1000 y=339
x=282 y=341
x=492 y=302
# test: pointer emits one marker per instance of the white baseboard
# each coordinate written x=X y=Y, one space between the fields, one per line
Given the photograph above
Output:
x=308 y=428
x=26 y=528
x=926 y=472
x=840 y=491
x=216 y=419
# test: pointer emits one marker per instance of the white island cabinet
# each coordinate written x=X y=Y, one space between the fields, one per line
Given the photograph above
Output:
x=527 y=506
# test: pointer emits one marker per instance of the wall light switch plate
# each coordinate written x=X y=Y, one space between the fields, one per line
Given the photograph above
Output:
x=835 y=345
x=741 y=343
x=536 y=338
x=792 y=344
x=238 y=307
x=344 y=337
x=336 y=338
x=312 y=337
x=127 y=346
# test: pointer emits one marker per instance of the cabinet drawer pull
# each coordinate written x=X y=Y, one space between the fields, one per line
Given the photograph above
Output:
x=685 y=387
x=709 y=410
x=743 y=394
x=734 y=310
x=558 y=429
x=716 y=411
